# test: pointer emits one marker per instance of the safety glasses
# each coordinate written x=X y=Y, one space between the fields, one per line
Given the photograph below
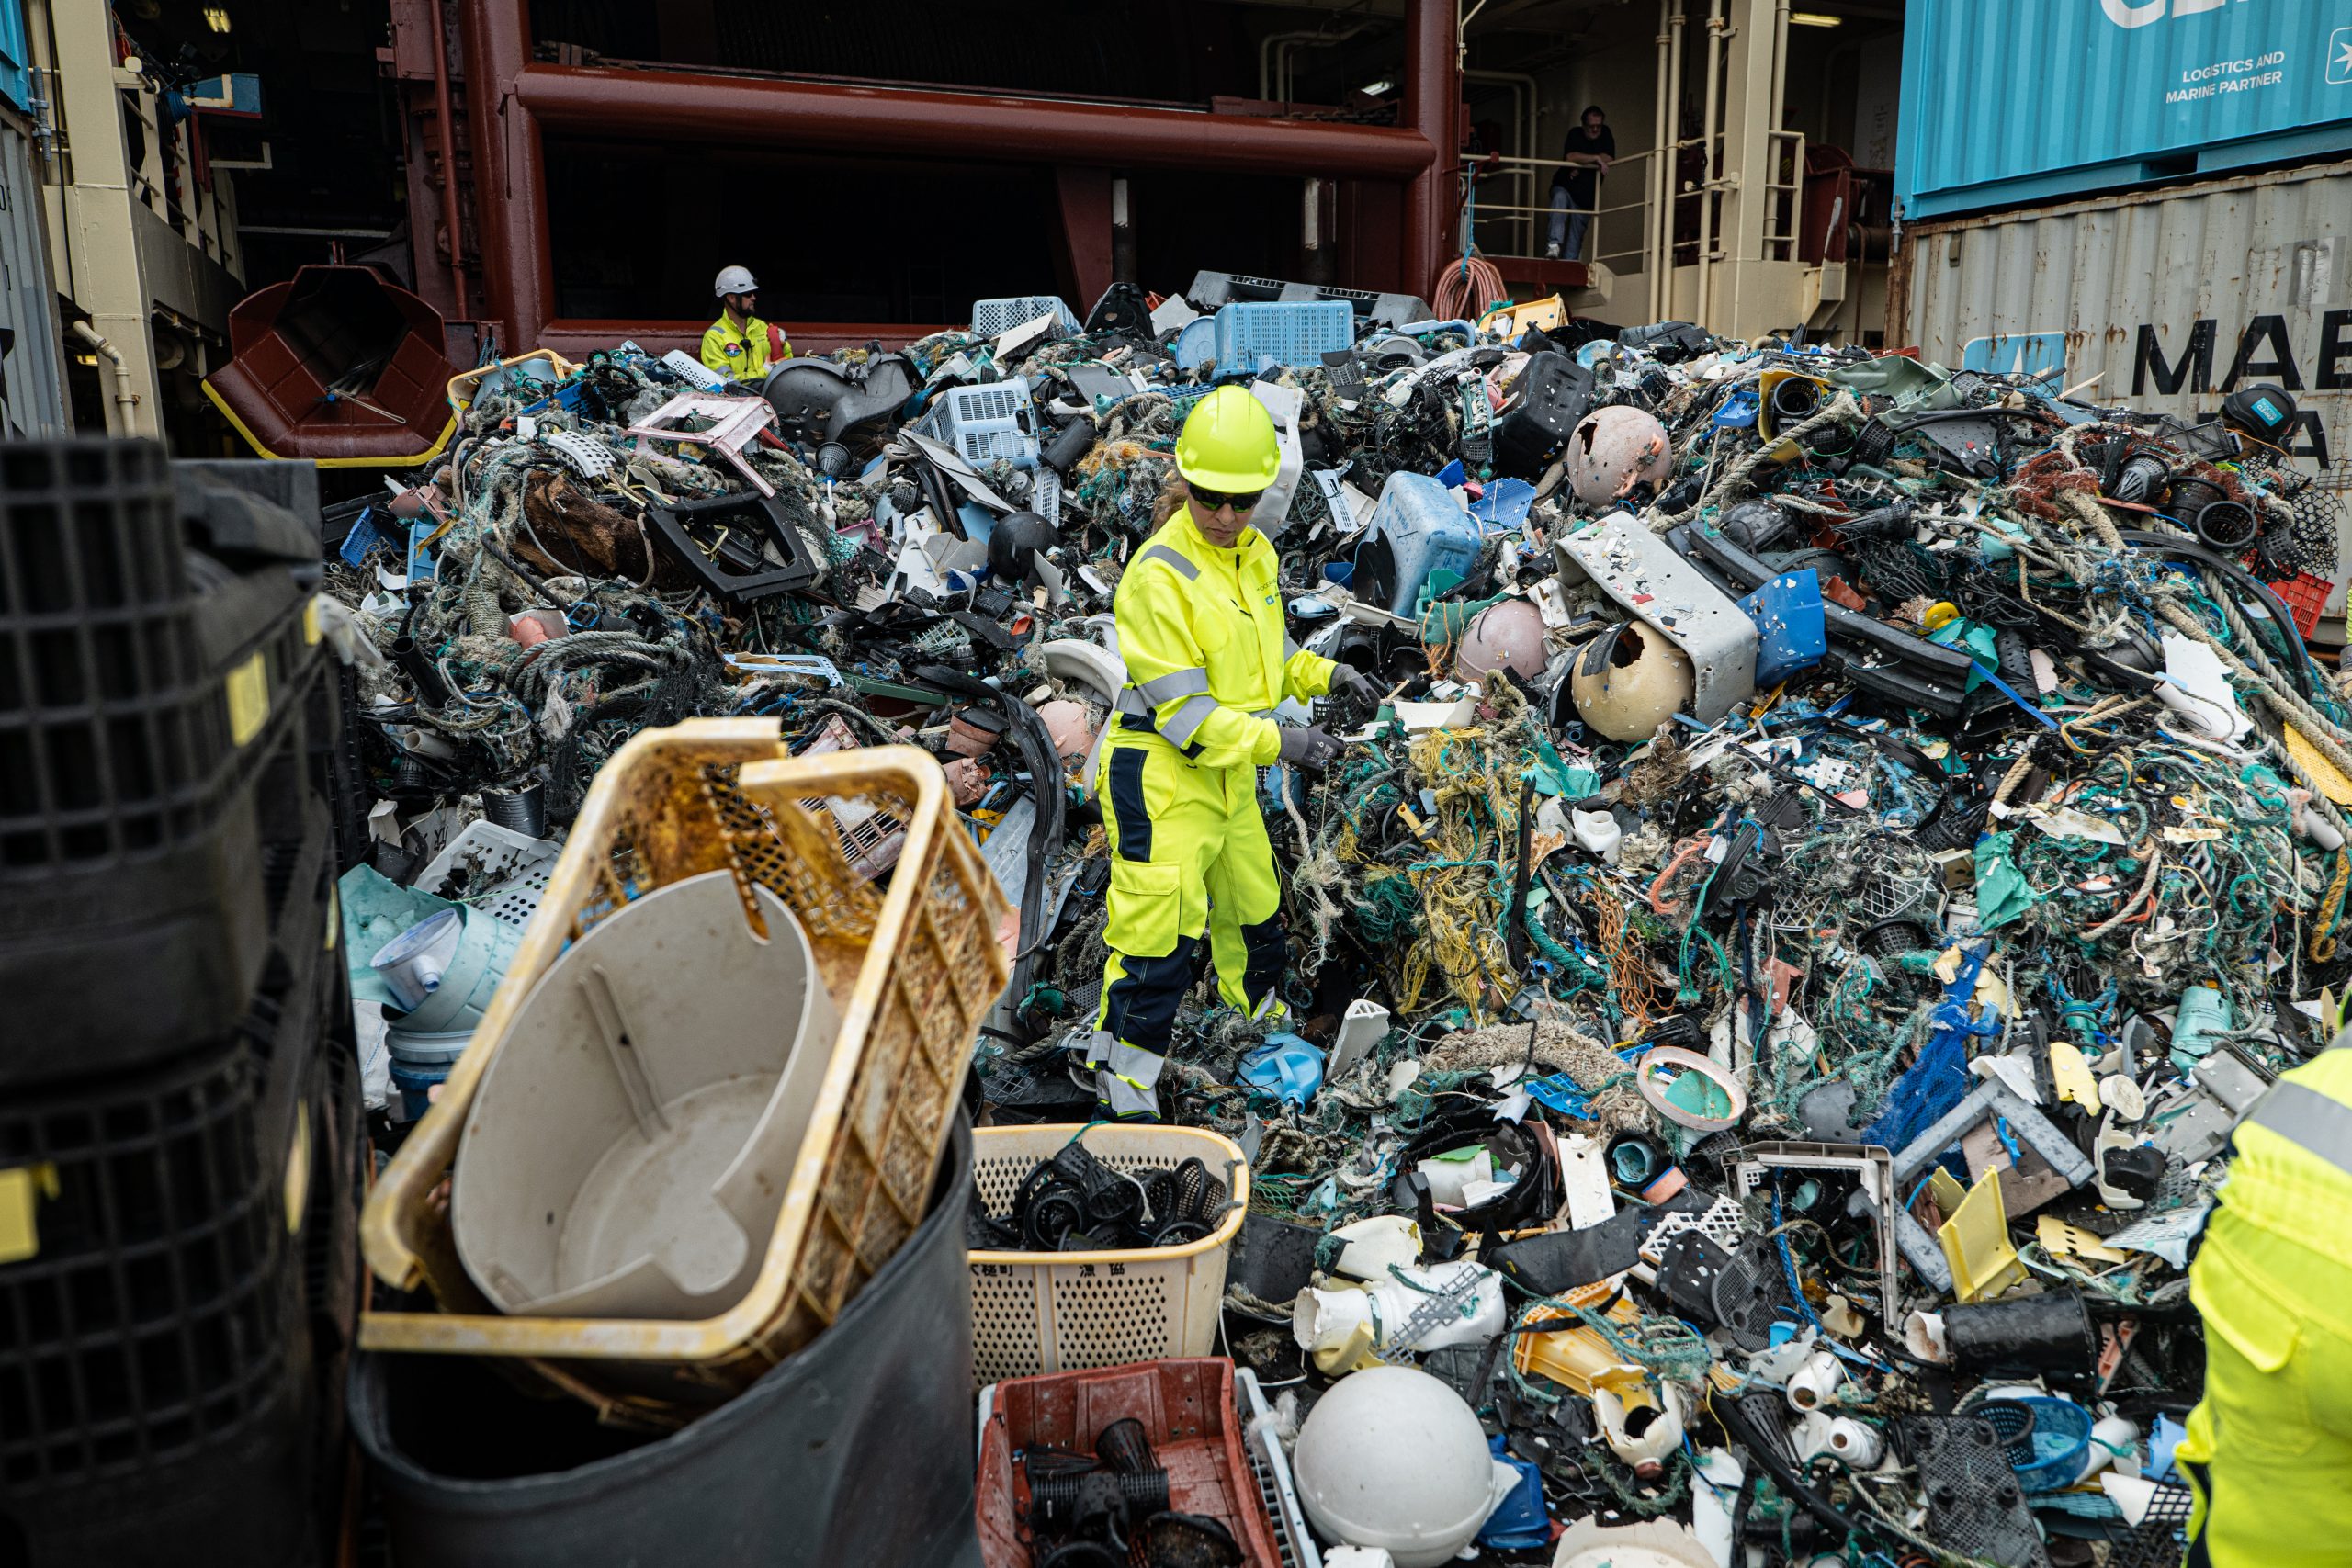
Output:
x=1242 y=502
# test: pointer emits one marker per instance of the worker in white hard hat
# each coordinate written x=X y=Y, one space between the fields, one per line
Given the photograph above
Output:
x=738 y=345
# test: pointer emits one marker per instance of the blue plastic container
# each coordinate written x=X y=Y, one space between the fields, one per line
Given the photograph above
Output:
x=414 y=1081
x=2045 y=1439
x=1417 y=530
x=1521 y=1523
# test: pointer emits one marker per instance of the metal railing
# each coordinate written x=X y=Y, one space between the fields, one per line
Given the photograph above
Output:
x=1507 y=220
x=1516 y=224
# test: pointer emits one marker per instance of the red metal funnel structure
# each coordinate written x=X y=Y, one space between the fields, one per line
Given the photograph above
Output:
x=339 y=365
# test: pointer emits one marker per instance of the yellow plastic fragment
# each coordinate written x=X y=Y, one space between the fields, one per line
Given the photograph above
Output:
x=2060 y=1240
x=2072 y=1074
x=2325 y=774
x=1975 y=1241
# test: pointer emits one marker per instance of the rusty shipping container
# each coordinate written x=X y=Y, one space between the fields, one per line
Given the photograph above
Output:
x=2170 y=297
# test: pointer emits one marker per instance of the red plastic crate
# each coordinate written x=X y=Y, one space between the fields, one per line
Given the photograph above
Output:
x=2305 y=596
x=1186 y=1406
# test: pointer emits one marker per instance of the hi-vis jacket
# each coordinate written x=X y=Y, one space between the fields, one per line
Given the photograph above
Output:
x=1208 y=656
x=742 y=353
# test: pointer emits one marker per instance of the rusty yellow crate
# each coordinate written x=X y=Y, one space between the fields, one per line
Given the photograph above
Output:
x=913 y=969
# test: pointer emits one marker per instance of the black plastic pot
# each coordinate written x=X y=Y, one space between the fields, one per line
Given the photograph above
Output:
x=856 y=1451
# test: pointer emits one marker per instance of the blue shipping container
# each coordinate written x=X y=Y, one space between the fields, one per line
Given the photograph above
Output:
x=2011 y=101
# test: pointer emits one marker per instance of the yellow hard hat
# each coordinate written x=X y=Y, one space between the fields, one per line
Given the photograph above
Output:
x=1228 y=443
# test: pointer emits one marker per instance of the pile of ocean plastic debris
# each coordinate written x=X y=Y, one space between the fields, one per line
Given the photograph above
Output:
x=1840 y=844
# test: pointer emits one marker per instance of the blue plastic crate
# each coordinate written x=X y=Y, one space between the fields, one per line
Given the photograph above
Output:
x=1287 y=333
x=1185 y=398
x=990 y=317
x=993 y=423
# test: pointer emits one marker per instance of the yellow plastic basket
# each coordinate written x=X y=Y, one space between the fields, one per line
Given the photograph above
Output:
x=913 y=970
x=1060 y=1312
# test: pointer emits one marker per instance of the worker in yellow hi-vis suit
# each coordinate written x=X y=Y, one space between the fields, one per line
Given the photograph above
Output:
x=2269 y=1448
x=1201 y=629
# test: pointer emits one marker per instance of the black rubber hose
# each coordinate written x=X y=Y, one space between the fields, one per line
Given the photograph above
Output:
x=1044 y=765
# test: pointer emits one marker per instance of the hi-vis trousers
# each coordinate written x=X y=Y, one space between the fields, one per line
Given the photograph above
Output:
x=1189 y=854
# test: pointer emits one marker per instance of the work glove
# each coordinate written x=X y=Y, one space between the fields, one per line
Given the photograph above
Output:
x=1353 y=685
x=1309 y=748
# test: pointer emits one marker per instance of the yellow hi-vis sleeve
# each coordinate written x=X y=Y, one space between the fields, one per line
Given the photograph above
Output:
x=1166 y=663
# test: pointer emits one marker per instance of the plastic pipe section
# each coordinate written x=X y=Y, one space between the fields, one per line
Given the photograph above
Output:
x=126 y=400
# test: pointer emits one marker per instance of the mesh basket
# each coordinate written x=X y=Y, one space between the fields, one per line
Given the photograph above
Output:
x=494 y=869
x=996 y=422
x=2161 y=1536
x=1036 y=1313
x=913 y=969
x=990 y=317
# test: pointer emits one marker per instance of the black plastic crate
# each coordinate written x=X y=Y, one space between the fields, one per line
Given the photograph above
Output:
x=249 y=1501
x=170 y=1299
x=111 y=727
x=194 y=1411
x=157 y=654
x=160 y=956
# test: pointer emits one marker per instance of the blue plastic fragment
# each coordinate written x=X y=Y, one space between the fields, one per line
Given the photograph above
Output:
x=1791 y=629
x=1521 y=1524
x=1560 y=1093
x=1286 y=1066
x=1505 y=505
x=1738 y=411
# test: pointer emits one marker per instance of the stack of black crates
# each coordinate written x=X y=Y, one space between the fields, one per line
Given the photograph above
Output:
x=179 y=1134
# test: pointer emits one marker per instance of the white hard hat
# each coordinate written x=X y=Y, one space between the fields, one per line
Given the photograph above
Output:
x=735 y=280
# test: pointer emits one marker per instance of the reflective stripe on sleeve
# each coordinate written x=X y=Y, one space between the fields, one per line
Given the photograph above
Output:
x=1186 y=723
x=1177 y=683
x=1162 y=554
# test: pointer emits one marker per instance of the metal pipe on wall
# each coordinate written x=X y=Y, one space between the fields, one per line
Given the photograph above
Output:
x=747 y=112
x=1276 y=50
x=123 y=418
x=1671 y=156
x=1710 y=125
x=509 y=172
x=1775 y=106
x=445 y=124
x=1661 y=175
x=1524 y=92
x=1123 y=232
x=1432 y=97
